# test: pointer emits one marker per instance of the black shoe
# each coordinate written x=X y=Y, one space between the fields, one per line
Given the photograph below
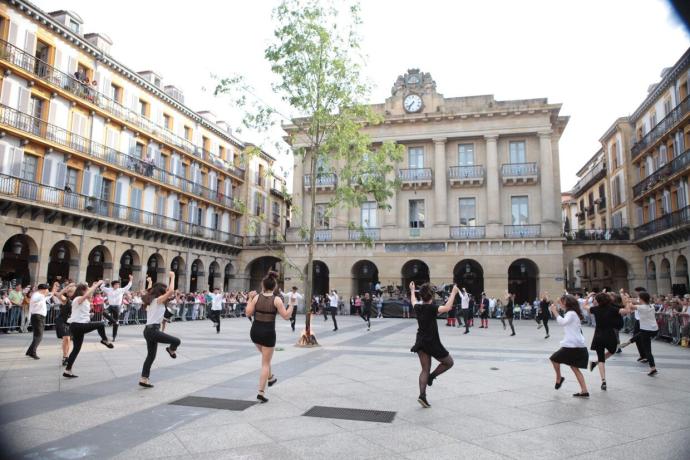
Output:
x=466 y=332
x=641 y=360
x=430 y=380
x=107 y=344
x=603 y=385
x=145 y=383
x=620 y=350
x=547 y=336
x=581 y=395
x=33 y=355
x=171 y=352
x=422 y=400
x=65 y=360
x=512 y=334
x=69 y=375
x=335 y=329
x=272 y=381
x=262 y=398
x=592 y=365
x=652 y=372
x=558 y=384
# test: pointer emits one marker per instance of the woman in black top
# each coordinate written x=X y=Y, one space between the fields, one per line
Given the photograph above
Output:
x=605 y=341
x=64 y=298
x=264 y=308
x=545 y=314
x=508 y=314
x=366 y=309
x=428 y=342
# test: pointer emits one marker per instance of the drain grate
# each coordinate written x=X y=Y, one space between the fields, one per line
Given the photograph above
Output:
x=214 y=403
x=361 y=415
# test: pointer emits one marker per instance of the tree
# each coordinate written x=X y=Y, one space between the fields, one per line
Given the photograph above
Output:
x=315 y=57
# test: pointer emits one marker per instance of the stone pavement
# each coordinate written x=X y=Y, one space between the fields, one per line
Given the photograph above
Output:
x=497 y=402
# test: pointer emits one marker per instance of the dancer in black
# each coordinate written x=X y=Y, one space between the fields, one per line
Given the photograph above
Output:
x=61 y=325
x=484 y=311
x=156 y=311
x=366 y=309
x=264 y=308
x=573 y=351
x=508 y=313
x=80 y=323
x=544 y=313
x=648 y=329
x=428 y=343
x=607 y=317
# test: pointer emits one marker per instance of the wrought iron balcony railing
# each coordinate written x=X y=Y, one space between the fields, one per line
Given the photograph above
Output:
x=675 y=219
x=325 y=180
x=415 y=174
x=661 y=128
x=522 y=231
x=467 y=233
x=367 y=233
x=599 y=235
x=597 y=173
x=466 y=172
x=519 y=169
x=678 y=164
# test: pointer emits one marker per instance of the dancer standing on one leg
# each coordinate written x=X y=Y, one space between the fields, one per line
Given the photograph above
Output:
x=38 y=310
x=648 y=329
x=216 y=308
x=61 y=326
x=428 y=343
x=604 y=342
x=264 y=308
x=545 y=315
x=484 y=311
x=465 y=308
x=573 y=351
x=80 y=323
x=508 y=313
x=366 y=309
x=154 y=302
x=115 y=294
x=294 y=299
x=333 y=300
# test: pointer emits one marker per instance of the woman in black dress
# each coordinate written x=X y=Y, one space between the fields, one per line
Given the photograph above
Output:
x=508 y=313
x=605 y=341
x=428 y=342
x=64 y=299
x=264 y=307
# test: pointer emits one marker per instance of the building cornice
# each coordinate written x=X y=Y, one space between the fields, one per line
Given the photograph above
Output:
x=612 y=129
x=44 y=18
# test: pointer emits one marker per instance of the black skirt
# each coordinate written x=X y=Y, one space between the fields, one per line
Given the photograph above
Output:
x=604 y=340
x=433 y=348
x=576 y=357
x=263 y=333
x=61 y=327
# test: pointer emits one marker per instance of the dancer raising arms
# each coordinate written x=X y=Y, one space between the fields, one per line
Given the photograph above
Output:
x=294 y=298
x=264 y=308
x=428 y=343
x=366 y=309
x=465 y=309
x=154 y=302
x=648 y=329
x=80 y=323
x=508 y=313
x=573 y=351
x=544 y=310
x=114 y=294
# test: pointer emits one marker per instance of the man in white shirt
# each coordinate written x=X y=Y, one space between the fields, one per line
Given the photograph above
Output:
x=294 y=299
x=465 y=308
x=216 y=308
x=38 y=311
x=333 y=300
x=114 y=294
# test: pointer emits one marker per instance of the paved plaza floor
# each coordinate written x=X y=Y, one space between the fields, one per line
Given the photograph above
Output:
x=497 y=402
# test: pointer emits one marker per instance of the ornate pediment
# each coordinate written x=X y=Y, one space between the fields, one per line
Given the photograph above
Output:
x=414 y=81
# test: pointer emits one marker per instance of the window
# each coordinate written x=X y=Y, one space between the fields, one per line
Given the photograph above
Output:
x=415 y=157
x=139 y=150
x=666 y=202
x=199 y=212
x=468 y=212
x=215 y=220
x=258 y=203
x=206 y=143
x=667 y=106
x=115 y=93
x=652 y=209
x=221 y=152
x=276 y=213
x=74 y=26
x=516 y=150
x=416 y=213
x=520 y=210
x=143 y=108
x=368 y=214
x=167 y=122
x=182 y=171
x=617 y=220
x=652 y=120
x=663 y=155
x=188 y=133
x=36 y=108
x=106 y=189
x=619 y=154
x=71 y=179
x=321 y=216
x=616 y=191
x=29 y=167
x=602 y=196
x=465 y=154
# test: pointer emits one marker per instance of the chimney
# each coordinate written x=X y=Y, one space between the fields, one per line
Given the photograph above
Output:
x=100 y=41
x=174 y=93
x=225 y=126
x=151 y=77
x=69 y=19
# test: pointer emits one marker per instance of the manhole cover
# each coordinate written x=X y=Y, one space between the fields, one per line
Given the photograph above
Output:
x=362 y=415
x=214 y=403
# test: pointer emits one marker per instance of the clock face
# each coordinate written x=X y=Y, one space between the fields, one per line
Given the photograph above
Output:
x=413 y=79
x=412 y=103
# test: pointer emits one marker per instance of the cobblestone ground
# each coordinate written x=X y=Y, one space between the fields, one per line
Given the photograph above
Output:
x=497 y=402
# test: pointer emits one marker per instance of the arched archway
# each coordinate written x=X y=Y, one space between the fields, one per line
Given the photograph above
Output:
x=651 y=277
x=196 y=275
x=19 y=259
x=100 y=265
x=129 y=263
x=177 y=266
x=681 y=282
x=320 y=278
x=213 y=275
x=228 y=274
x=64 y=258
x=469 y=274
x=258 y=268
x=664 y=282
x=414 y=270
x=365 y=275
x=523 y=280
x=598 y=271
x=154 y=266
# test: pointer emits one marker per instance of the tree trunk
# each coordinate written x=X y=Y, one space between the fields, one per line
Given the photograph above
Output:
x=308 y=339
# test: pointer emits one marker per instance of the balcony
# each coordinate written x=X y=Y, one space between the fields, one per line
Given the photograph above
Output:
x=263 y=240
x=39 y=128
x=676 y=219
x=597 y=173
x=364 y=234
x=415 y=177
x=467 y=233
x=678 y=164
x=661 y=128
x=460 y=176
x=55 y=199
x=49 y=74
x=324 y=181
x=519 y=173
x=366 y=179
x=599 y=235
x=522 y=231
x=276 y=219
x=590 y=211
x=601 y=205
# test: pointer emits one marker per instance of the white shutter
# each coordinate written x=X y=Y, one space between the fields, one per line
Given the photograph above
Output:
x=97 y=185
x=176 y=210
x=118 y=192
x=24 y=99
x=71 y=66
x=86 y=183
x=13 y=34
x=17 y=160
x=136 y=198
x=61 y=175
x=4 y=149
x=228 y=188
x=30 y=43
x=134 y=103
x=110 y=138
x=47 y=169
x=6 y=92
x=174 y=165
x=52 y=108
x=99 y=80
x=57 y=61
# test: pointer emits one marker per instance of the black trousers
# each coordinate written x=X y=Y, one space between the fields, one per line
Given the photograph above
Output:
x=154 y=336
x=366 y=315
x=112 y=314
x=644 y=339
x=333 y=311
x=78 y=331
x=38 y=324
x=510 y=322
x=636 y=330
x=466 y=315
x=293 y=318
x=214 y=315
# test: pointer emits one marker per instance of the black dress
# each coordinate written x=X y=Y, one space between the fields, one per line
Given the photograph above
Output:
x=428 y=340
x=509 y=309
x=263 y=331
x=485 y=306
x=61 y=325
x=604 y=331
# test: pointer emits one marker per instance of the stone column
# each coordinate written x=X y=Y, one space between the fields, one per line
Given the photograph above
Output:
x=440 y=183
x=390 y=217
x=298 y=188
x=493 y=199
x=548 y=194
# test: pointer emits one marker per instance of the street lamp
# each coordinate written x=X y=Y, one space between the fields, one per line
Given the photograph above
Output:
x=153 y=263
x=61 y=253
x=468 y=268
x=175 y=265
x=17 y=247
x=195 y=267
x=523 y=269
x=97 y=257
x=127 y=259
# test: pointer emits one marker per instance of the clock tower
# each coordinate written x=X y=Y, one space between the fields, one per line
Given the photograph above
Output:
x=414 y=93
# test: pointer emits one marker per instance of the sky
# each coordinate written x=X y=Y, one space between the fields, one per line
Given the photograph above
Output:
x=596 y=57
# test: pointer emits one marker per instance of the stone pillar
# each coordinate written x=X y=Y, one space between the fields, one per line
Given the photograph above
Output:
x=390 y=217
x=440 y=183
x=298 y=187
x=548 y=194
x=493 y=199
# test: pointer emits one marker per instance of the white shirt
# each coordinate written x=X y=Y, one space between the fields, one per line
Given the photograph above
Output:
x=572 y=329
x=216 y=302
x=115 y=295
x=647 y=318
x=464 y=300
x=154 y=312
x=333 y=300
x=37 y=304
x=81 y=312
x=294 y=298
